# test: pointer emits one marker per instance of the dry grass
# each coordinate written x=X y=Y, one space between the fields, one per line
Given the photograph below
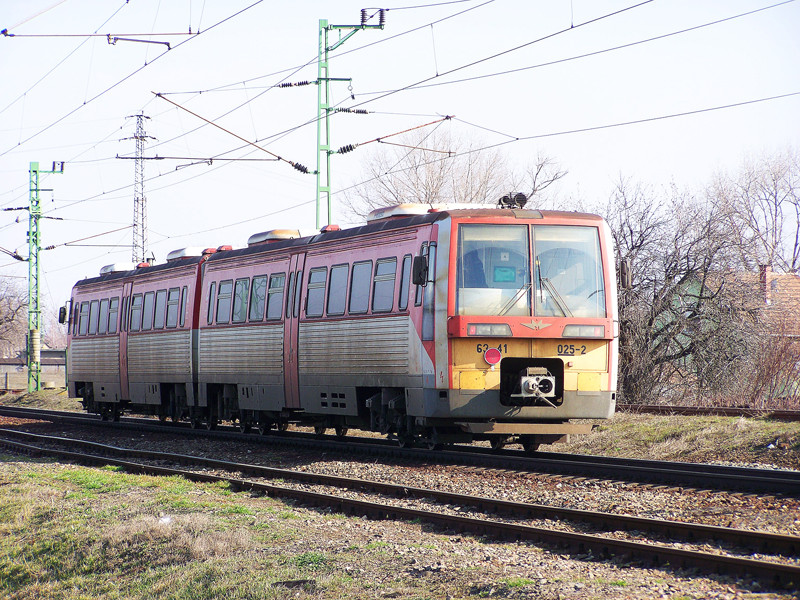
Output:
x=693 y=439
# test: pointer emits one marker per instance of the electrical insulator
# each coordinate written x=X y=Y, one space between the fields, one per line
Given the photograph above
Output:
x=300 y=167
x=363 y=16
x=346 y=149
x=381 y=17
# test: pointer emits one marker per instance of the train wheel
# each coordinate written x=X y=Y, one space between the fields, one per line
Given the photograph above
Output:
x=529 y=444
x=340 y=430
x=432 y=441
x=405 y=441
x=211 y=424
x=283 y=426
x=320 y=430
x=498 y=442
x=244 y=425
x=264 y=426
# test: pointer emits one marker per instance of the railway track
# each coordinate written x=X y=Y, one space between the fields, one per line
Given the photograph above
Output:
x=691 y=475
x=600 y=543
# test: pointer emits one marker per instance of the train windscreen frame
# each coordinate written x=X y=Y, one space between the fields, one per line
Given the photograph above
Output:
x=494 y=275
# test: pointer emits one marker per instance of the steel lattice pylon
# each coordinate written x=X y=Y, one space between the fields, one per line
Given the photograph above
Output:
x=139 y=252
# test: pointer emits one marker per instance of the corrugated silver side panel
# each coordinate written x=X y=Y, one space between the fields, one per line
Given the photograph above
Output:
x=94 y=359
x=232 y=351
x=362 y=346
x=155 y=355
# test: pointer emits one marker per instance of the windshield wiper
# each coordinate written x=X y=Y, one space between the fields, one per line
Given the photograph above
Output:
x=517 y=295
x=562 y=306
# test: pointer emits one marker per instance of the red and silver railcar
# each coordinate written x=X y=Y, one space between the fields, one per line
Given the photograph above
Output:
x=425 y=324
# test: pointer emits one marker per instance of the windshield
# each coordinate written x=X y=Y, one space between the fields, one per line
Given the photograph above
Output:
x=568 y=278
x=493 y=270
x=494 y=275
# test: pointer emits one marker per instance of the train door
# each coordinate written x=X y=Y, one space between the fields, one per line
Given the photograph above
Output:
x=291 y=330
x=123 y=341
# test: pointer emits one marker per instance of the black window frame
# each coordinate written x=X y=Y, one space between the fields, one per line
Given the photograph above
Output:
x=147 y=311
x=337 y=291
x=226 y=296
x=136 y=311
x=173 y=307
x=405 y=283
x=315 y=291
x=160 y=309
x=240 y=300
x=212 y=290
x=258 y=298
x=380 y=280
x=366 y=284
x=102 y=318
x=113 y=314
x=275 y=295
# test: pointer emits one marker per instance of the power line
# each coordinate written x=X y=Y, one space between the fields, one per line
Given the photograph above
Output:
x=111 y=87
x=588 y=54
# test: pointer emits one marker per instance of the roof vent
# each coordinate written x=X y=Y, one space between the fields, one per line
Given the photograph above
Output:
x=273 y=235
x=181 y=253
x=224 y=248
x=410 y=210
x=142 y=265
x=117 y=268
x=329 y=228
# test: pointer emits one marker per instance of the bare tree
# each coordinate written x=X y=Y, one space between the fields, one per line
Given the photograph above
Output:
x=761 y=204
x=684 y=323
x=13 y=317
x=436 y=168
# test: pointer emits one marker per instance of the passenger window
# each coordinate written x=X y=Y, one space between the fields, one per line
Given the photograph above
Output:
x=418 y=292
x=147 y=311
x=182 y=311
x=383 y=285
x=94 y=314
x=315 y=299
x=211 y=292
x=113 y=309
x=173 y=307
x=161 y=309
x=359 y=287
x=275 y=297
x=224 y=301
x=337 y=290
x=84 y=318
x=258 y=298
x=102 y=324
x=241 y=292
x=298 y=285
x=136 y=312
x=75 y=315
x=405 y=282
x=430 y=291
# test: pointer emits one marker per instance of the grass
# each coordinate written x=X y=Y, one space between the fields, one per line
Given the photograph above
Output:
x=694 y=439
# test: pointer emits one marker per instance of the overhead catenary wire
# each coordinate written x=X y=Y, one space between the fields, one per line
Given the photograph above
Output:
x=296 y=165
x=111 y=87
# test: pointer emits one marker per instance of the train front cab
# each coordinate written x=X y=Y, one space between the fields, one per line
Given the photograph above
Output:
x=527 y=322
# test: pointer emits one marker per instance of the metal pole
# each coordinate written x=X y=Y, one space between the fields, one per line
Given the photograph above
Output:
x=34 y=345
x=324 y=109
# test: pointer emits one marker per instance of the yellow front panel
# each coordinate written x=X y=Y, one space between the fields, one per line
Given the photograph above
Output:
x=584 y=360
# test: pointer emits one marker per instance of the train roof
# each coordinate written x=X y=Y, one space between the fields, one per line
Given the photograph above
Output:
x=399 y=217
x=382 y=220
x=140 y=271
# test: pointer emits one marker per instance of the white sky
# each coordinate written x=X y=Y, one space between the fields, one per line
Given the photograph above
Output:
x=54 y=105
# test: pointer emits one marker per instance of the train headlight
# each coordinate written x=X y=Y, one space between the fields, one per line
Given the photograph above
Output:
x=489 y=329
x=584 y=331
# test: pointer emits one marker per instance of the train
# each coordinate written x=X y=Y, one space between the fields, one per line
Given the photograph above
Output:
x=428 y=324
